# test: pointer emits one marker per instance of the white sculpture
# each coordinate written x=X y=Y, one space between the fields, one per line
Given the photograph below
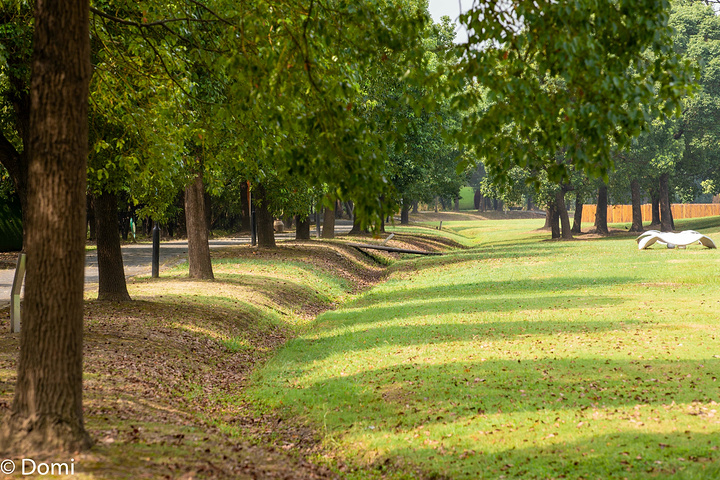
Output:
x=672 y=240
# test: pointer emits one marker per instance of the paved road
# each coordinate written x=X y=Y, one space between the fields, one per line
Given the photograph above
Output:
x=137 y=258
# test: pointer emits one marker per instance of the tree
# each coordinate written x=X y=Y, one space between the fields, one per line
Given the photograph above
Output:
x=47 y=408
x=596 y=104
x=200 y=265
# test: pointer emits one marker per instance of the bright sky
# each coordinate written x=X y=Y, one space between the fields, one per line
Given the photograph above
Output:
x=451 y=8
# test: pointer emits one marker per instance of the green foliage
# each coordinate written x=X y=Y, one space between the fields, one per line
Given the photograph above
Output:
x=684 y=147
x=11 y=231
x=570 y=75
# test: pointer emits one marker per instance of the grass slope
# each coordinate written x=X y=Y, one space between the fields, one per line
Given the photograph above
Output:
x=164 y=375
x=518 y=358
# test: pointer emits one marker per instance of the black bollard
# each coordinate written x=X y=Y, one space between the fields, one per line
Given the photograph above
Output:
x=156 y=251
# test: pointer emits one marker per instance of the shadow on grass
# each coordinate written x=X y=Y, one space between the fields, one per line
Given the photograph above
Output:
x=627 y=455
x=474 y=400
x=482 y=289
x=472 y=389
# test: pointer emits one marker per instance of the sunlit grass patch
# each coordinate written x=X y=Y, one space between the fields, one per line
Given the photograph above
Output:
x=519 y=358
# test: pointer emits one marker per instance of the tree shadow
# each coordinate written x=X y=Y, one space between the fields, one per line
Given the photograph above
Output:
x=627 y=455
x=486 y=288
x=546 y=400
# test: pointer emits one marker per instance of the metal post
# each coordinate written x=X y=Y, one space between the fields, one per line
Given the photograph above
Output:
x=15 y=295
x=156 y=251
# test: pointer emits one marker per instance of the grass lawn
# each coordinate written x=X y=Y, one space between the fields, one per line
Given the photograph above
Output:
x=517 y=358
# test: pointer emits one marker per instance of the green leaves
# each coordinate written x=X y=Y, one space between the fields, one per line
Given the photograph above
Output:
x=571 y=75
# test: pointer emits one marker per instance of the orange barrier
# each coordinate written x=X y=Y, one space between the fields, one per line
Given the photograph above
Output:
x=623 y=213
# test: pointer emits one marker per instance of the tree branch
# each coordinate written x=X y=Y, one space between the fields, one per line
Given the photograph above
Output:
x=146 y=25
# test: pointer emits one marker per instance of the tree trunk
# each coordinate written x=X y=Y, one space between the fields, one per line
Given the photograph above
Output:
x=338 y=209
x=655 y=209
x=328 y=228
x=405 y=214
x=111 y=273
x=637 y=224
x=457 y=204
x=577 y=218
x=47 y=408
x=554 y=215
x=356 y=228
x=666 y=221
x=415 y=207
x=348 y=209
x=302 y=228
x=265 y=220
x=197 y=231
x=477 y=198
x=601 y=211
x=548 y=218
x=563 y=214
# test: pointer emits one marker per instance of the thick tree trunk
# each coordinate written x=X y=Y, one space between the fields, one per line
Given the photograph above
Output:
x=637 y=224
x=265 y=220
x=666 y=221
x=111 y=273
x=601 y=211
x=302 y=228
x=197 y=232
x=328 y=228
x=47 y=408
x=563 y=214
x=405 y=214
x=457 y=204
x=415 y=207
x=577 y=217
x=477 y=198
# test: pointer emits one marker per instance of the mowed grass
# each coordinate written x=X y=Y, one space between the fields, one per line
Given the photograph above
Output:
x=518 y=358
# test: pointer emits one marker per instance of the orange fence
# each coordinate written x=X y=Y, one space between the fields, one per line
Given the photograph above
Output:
x=623 y=213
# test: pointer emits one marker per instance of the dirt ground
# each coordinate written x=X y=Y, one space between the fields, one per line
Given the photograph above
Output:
x=8 y=260
x=163 y=396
